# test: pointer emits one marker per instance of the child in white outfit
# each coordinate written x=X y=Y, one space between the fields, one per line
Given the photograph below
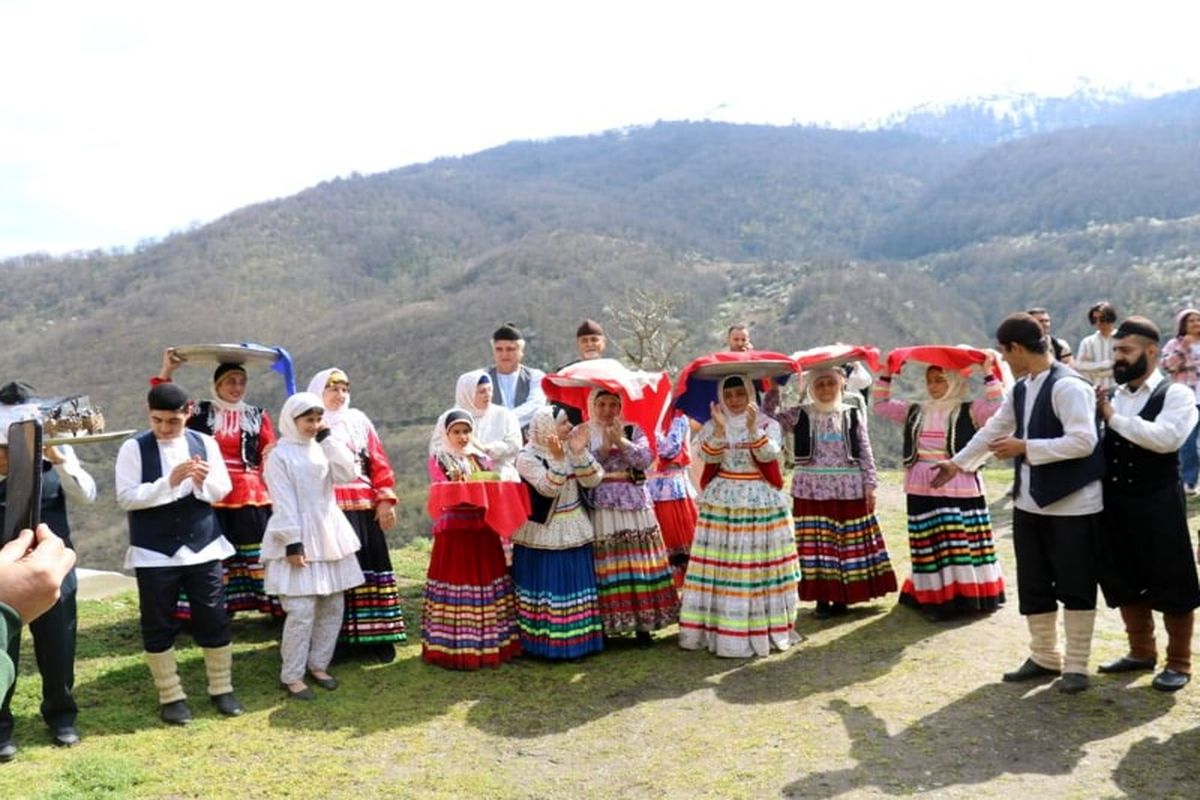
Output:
x=309 y=546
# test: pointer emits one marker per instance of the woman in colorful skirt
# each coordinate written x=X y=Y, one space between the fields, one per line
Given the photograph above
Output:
x=245 y=436
x=558 y=608
x=674 y=496
x=374 y=621
x=637 y=592
x=843 y=558
x=953 y=553
x=469 y=617
x=739 y=594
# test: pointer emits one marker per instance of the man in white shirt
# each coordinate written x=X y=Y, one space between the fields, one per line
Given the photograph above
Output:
x=1094 y=360
x=515 y=386
x=167 y=479
x=1047 y=425
x=1146 y=551
x=737 y=338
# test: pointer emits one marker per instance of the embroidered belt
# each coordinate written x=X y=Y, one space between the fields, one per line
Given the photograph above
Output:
x=740 y=476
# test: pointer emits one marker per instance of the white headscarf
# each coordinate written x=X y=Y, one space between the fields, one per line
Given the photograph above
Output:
x=542 y=426
x=440 y=440
x=595 y=428
x=317 y=386
x=956 y=391
x=464 y=392
x=297 y=405
x=735 y=424
x=811 y=376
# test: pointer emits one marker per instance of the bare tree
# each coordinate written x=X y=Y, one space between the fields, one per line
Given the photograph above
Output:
x=650 y=333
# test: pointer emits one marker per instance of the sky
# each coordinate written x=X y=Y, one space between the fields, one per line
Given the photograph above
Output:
x=123 y=121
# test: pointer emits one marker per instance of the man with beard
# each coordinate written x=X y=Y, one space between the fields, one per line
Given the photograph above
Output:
x=1146 y=554
x=1047 y=425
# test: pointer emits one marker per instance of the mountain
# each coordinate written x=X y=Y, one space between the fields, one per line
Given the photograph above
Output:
x=1001 y=118
x=810 y=235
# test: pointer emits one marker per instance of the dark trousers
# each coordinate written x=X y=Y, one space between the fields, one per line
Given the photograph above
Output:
x=1056 y=561
x=1146 y=551
x=158 y=594
x=54 y=648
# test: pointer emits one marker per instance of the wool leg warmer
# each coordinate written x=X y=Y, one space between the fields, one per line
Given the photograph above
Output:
x=1078 y=626
x=1139 y=627
x=1043 y=640
x=218 y=663
x=166 y=676
x=1179 y=641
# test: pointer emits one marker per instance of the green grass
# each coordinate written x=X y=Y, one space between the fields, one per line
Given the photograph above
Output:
x=880 y=703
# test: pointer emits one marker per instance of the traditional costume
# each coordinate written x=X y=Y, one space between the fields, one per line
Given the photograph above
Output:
x=1146 y=561
x=306 y=521
x=469 y=617
x=558 y=608
x=637 y=592
x=674 y=496
x=373 y=617
x=953 y=552
x=1056 y=516
x=176 y=544
x=843 y=557
x=243 y=432
x=739 y=592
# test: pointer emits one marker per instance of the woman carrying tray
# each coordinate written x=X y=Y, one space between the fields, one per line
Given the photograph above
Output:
x=954 y=566
x=374 y=620
x=245 y=435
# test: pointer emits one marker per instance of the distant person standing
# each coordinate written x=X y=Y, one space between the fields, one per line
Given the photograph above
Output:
x=1147 y=563
x=1094 y=360
x=517 y=387
x=737 y=338
x=54 y=632
x=1047 y=425
x=1058 y=348
x=1181 y=360
x=590 y=341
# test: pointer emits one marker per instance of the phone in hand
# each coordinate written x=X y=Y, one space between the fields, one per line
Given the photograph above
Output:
x=23 y=500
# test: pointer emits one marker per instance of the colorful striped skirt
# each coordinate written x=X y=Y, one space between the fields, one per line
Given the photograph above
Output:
x=243 y=571
x=373 y=617
x=558 y=609
x=739 y=595
x=677 y=521
x=633 y=577
x=843 y=558
x=954 y=566
x=469 y=618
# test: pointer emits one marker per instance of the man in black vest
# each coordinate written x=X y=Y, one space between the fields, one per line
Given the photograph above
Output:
x=517 y=387
x=167 y=478
x=1146 y=552
x=1047 y=425
x=53 y=632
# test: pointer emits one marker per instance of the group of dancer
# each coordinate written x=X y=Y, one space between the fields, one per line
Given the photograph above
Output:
x=617 y=539
x=562 y=526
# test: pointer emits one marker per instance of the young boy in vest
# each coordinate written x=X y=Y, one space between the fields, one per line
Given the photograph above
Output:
x=167 y=478
x=54 y=632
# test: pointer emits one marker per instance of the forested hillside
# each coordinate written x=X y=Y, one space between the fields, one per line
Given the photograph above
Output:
x=810 y=235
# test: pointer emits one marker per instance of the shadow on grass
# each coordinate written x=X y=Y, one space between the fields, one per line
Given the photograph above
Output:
x=1158 y=768
x=122 y=635
x=997 y=729
x=869 y=651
